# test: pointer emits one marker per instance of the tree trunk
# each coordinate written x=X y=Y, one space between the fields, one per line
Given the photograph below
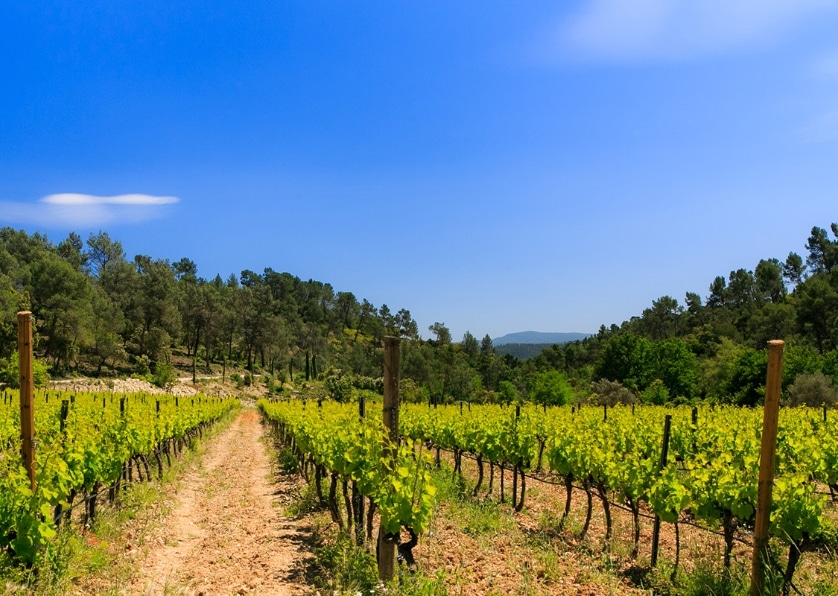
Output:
x=586 y=485
x=568 y=485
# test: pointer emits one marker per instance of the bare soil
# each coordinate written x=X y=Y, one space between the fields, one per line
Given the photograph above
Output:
x=225 y=534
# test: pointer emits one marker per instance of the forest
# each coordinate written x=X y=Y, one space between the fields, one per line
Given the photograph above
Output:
x=99 y=313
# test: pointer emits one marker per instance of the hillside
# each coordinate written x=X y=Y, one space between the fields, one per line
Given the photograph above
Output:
x=538 y=337
x=522 y=351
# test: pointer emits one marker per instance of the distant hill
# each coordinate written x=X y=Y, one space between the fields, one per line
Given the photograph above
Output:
x=538 y=337
x=522 y=351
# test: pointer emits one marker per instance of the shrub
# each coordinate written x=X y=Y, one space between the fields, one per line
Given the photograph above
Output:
x=610 y=393
x=338 y=384
x=551 y=388
x=655 y=394
x=813 y=390
x=375 y=384
x=164 y=374
x=507 y=392
x=411 y=392
x=10 y=372
x=143 y=367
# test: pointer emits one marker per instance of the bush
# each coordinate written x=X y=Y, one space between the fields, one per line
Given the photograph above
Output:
x=164 y=375
x=507 y=392
x=551 y=388
x=813 y=390
x=412 y=393
x=375 y=384
x=655 y=394
x=143 y=367
x=10 y=372
x=237 y=379
x=483 y=396
x=610 y=393
x=269 y=382
x=338 y=384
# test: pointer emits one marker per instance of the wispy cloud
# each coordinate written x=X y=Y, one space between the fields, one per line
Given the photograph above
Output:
x=675 y=30
x=74 y=210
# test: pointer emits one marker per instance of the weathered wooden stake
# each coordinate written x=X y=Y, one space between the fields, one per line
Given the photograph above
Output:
x=65 y=410
x=27 y=412
x=357 y=497
x=388 y=543
x=656 y=531
x=771 y=414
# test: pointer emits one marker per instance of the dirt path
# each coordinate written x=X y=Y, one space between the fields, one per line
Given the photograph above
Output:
x=225 y=535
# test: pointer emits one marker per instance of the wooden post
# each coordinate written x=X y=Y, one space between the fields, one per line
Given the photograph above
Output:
x=27 y=412
x=65 y=410
x=388 y=543
x=771 y=414
x=357 y=497
x=656 y=531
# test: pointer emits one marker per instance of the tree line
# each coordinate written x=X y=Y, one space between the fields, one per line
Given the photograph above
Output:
x=715 y=348
x=99 y=312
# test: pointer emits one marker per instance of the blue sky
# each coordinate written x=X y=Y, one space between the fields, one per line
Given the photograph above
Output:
x=495 y=166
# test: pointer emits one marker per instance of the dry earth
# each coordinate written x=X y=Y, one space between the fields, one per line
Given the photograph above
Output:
x=225 y=534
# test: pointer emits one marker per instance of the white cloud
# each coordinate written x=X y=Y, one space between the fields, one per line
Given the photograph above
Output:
x=673 y=30
x=69 y=198
x=73 y=210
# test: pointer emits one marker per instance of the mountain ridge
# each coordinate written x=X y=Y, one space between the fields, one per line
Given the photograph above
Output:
x=538 y=337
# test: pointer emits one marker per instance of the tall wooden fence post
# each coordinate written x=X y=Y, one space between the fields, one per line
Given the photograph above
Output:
x=770 y=419
x=388 y=543
x=27 y=412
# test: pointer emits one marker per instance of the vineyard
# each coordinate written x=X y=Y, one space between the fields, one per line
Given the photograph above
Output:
x=610 y=456
x=89 y=446
x=605 y=462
